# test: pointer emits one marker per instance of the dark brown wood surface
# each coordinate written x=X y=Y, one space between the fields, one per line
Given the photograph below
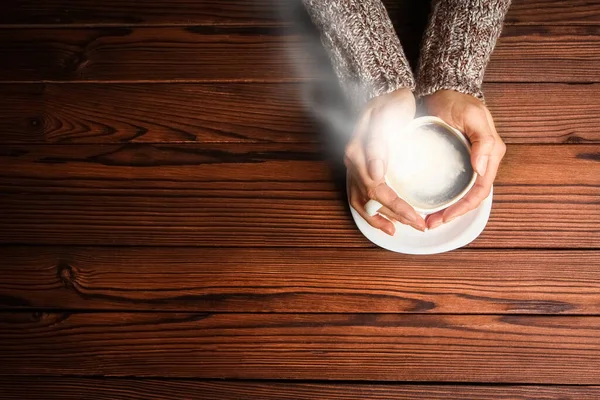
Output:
x=301 y=280
x=106 y=12
x=155 y=113
x=262 y=195
x=198 y=53
x=382 y=347
x=170 y=216
x=255 y=112
x=272 y=54
x=254 y=12
x=60 y=388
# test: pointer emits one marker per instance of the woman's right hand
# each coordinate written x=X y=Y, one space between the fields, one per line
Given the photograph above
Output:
x=366 y=158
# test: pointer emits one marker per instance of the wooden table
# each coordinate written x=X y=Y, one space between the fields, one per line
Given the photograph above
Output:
x=172 y=227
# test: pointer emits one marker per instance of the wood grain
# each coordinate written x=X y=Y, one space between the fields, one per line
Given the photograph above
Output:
x=249 y=12
x=262 y=195
x=544 y=113
x=154 y=113
x=63 y=388
x=567 y=12
x=156 y=54
x=300 y=280
x=255 y=112
x=383 y=347
x=546 y=54
x=208 y=12
x=271 y=54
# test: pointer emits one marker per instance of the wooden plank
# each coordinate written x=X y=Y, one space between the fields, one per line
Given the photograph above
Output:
x=159 y=54
x=63 y=388
x=300 y=280
x=273 y=54
x=249 y=12
x=262 y=195
x=255 y=112
x=546 y=54
x=154 y=113
x=382 y=347
x=549 y=113
x=565 y=12
x=208 y=12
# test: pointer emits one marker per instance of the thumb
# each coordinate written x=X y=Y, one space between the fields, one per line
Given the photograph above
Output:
x=376 y=151
x=385 y=121
x=482 y=140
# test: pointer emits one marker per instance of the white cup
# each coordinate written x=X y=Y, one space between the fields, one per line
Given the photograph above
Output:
x=402 y=140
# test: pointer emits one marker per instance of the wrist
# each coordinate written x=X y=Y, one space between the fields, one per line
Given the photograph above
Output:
x=448 y=95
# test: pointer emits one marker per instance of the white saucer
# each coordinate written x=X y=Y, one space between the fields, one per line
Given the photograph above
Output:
x=458 y=233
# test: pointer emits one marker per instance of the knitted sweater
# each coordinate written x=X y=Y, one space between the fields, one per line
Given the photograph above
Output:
x=369 y=61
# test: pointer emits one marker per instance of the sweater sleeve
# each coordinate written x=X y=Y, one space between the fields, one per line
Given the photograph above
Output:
x=459 y=40
x=363 y=46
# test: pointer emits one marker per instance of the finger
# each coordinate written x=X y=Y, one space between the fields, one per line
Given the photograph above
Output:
x=383 y=210
x=376 y=154
x=392 y=216
x=353 y=153
x=482 y=139
x=385 y=120
x=468 y=203
x=358 y=179
x=375 y=147
x=389 y=214
x=357 y=202
x=401 y=209
x=400 y=218
x=354 y=156
x=476 y=195
x=434 y=220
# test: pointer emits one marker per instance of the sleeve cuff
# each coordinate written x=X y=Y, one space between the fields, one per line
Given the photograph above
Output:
x=458 y=43
x=363 y=46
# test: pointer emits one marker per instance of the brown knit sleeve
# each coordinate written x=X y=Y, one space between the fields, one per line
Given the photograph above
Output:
x=364 y=49
x=458 y=42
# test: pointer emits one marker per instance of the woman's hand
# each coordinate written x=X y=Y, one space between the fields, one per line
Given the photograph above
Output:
x=366 y=158
x=471 y=116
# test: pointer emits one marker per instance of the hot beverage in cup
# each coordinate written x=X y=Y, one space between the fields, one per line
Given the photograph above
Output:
x=429 y=166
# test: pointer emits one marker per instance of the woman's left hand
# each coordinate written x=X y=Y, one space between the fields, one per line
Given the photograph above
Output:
x=471 y=116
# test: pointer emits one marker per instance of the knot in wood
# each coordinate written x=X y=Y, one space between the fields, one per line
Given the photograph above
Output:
x=66 y=274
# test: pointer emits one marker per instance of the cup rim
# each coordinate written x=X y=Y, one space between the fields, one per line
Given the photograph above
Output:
x=420 y=121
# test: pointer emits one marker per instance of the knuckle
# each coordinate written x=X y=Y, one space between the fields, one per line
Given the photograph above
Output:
x=348 y=153
x=479 y=187
x=347 y=161
x=479 y=194
x=351 y=149
x=399 y=207
x=471 y=203
x=482 y=193
x=502 y=148
x=372 y=192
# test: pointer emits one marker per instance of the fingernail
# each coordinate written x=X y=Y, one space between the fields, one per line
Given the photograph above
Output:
x=419 y=225
x=376 y=169
x=390 y=230
x=481 y=165
x=436 y=224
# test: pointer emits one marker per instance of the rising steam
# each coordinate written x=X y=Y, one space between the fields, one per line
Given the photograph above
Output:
x=322 y=95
